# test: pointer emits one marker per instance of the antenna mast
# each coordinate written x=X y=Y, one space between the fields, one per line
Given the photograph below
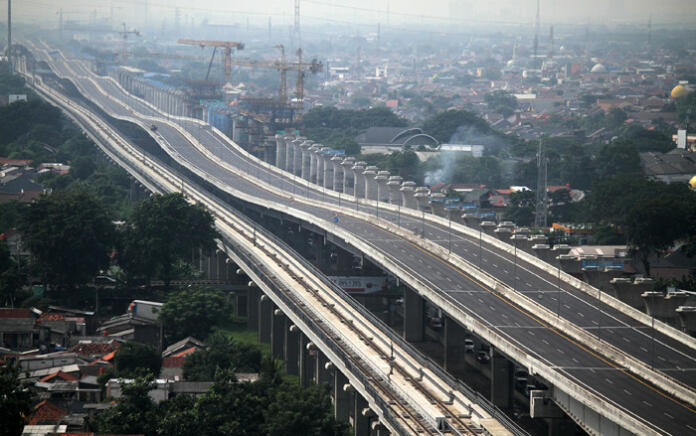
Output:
x=536 y=34
x=540 y=216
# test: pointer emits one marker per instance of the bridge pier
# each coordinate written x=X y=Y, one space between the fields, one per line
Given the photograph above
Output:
x=453 y=343
x=265 y=315
x=305 y=161
x=323 y=369
x=394 y=184
x=414 y=314
x=337 y=173
x=381 y=180
x=348 y=179
x=306 y=361
x=358 y=179
x=278 y=322
x=342 y=396
x=502 y=372
x=361 y=416
x=252 y=307
x=292 y=348
x=407 y=195
x=280 y=152
x=369 y=175
x=328 y=174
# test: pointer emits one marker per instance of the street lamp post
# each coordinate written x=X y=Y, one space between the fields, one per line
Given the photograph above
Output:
x=558 y=310
x=449 y=231
x=480 y=250
x=514 y=272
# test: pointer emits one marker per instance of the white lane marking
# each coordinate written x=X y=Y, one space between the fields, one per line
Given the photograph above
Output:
x=609 y=381
x=581 y=315
x=668 y=415
x=627 y=392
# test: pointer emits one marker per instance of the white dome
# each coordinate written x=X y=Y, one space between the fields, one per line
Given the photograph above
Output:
x=598 y=68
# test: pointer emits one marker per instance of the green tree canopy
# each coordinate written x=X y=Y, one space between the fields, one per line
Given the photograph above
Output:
x=134 y=359
x=193 y=312
x=502 y=102
x=443 y=125
x=521 y=207
x=11 y=279
x=134 y=412
x=222 y=353
x=162 y=231
x=15 y=401
x=70 y=237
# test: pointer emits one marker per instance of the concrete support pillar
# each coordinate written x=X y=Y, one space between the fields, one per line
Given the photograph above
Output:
x=292 y=348
x=313 y=162
x=297 y=157
x=359 y=179
x=408 y=199
x=290 y=144
x=361 y=416
x=348 y=178
x=278 y=321
x=253 y=296
x=663 y=306
x=382 y=190
x=265 y=314
x=280 y=152
x=414 y=316
x=306 y=363
x=306 y=159
x=502 y=371
x=437 y=204
x=328 y=175
x=394 y=185
x=453 y=343
x=337 y=173
x=369 y=175
x=630 y=291
x=222 y=267
x=342 y=396
x=323 y=369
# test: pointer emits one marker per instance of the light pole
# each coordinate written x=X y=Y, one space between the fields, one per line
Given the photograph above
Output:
x=449 y=231
x=514 y=272
x=479 y=253
x=652 y=320
x=558 y=311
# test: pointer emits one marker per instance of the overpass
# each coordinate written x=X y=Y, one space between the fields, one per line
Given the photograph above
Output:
x=593 y=350
x=379 y=380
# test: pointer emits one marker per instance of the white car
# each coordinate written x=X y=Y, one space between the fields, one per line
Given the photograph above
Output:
x=469 y=345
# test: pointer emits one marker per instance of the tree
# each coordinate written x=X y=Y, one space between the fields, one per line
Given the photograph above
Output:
x=521 y=207
x=134 y=359
x=294 y=410
x=134 y=412
x=70 y=237
x=222 y=353
x=444 y=125
x=15 y=401
x=178 y=417
x=11 y=279
x=616 y=117
x=162 y=231
x=193 y=312
x=502 y=102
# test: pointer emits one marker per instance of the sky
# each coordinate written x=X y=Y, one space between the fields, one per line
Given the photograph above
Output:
x=385 y=12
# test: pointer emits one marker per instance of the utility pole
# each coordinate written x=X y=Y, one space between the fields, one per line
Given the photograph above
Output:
x=541 y=191
x=9 y=33
x=536 y=35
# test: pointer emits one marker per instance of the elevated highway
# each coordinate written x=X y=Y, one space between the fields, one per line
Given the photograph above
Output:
x=389 y=380
x=593 y=351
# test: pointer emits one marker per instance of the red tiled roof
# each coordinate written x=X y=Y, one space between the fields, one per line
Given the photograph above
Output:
x=173 y=362
x=16 y=313
x=60 y=374
x=46 y=412
x=504 y=191
x=22 y=162
x=92 y=349
x=51 y=317
x=109 y=356
x=185 y=352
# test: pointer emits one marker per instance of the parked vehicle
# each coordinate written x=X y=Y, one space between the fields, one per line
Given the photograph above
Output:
x=469 y=345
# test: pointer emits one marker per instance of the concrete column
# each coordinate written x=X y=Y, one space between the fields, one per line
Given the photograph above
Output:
x=394 y=185
x=290 y=154
x=292 y=348
x=453 y=343
x=369 y=175
x=342 y=396
x=361 y=416
x=407 y=195
x=253 y=296
x=382 y=190
x=601 y=277
x=358 y=179
x=280 y=152
x=502 y=371
x=630 y=291
x=663 y=306
x=323 y=369
x=437 y=204
x=328 y=175
x=306 y=362
x=278 y=327
x=348 y=179
x=414 y=314
x=265 y=315
x=305 y=159
x=337 y=173
x=297 y=157
x=313 y=162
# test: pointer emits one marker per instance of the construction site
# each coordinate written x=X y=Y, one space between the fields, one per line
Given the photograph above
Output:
x=245 y=92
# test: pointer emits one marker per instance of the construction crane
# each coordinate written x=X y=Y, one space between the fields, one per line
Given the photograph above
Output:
x=227 y=45
x=124 y=34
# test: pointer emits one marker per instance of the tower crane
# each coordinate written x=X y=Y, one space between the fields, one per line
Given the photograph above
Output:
x=227 y=45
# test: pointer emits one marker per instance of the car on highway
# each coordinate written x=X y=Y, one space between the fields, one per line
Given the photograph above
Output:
x=469 y=345
x=153 y=127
